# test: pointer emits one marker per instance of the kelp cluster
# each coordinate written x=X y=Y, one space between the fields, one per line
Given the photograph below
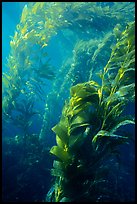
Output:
x=84 y=33
x=89 y=128
x=28 y=62
x=27 y=69
x=90 y=47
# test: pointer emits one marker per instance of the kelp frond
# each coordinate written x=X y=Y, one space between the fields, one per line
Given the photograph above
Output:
x=91 y=120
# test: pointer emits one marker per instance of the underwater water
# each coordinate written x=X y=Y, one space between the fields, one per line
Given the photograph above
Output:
x=68 y=101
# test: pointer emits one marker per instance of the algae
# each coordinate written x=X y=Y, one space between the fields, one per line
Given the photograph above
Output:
x=80 y=159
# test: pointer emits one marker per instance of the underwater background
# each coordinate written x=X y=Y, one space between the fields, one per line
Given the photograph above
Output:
x=68 y=101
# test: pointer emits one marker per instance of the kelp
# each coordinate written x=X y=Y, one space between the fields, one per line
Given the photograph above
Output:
x=74 y=73
x=72 y=21
x=88 y=131
x=86 y=53
x=29 y=68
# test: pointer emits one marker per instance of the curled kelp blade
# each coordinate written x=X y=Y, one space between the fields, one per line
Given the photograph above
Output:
x=60 y=142
x=78 y=128
x=104 y=133
x=61 y=130
x=78 y=121
x=121 y=123
x=77 y=140
x=61 y=153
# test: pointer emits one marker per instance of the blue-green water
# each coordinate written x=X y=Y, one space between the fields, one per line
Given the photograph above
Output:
x=54 y=46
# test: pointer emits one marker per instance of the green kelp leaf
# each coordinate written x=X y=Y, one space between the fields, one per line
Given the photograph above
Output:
x=122 y=58
x=81 y=107
x=83 y=117
x=58 y=165
x=104 y=133
x=128 y=77
x=129 y=70
x=93 y=98
x=57 y=172
x=76 y=102
x=60 y=142
x=129 y=63
x=5 y=82
x=131 y=32
x=60 y=153
x=82 y=95
x=78 y=128
x=58 y=168
x=10 y=93
x=100 y=74
x=8 y=77
x=116 y=110
x=117 y=31
x=78 y=110
x=24 y=14
x=125 y=90
x=94 y=83
x=61 y=130
x=74 y=140
x=83 y=90
x=107 y=89
x=124 y=122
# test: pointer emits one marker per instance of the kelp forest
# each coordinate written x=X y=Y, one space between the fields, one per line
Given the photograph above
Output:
x=68 y=104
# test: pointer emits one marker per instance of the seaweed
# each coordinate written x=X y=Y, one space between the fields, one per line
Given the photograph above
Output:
x=38 y=24
x=88 y=132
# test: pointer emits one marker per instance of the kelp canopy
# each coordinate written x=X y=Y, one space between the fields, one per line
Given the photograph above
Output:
x=92 y=73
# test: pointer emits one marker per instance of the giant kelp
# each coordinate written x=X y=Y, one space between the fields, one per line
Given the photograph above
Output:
x=84 y=33
x=89 y=45
x=88 y=131
x=87 y=54
x=28 y=60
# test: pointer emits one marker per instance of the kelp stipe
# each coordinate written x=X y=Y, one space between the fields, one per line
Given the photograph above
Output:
x=88 y=132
